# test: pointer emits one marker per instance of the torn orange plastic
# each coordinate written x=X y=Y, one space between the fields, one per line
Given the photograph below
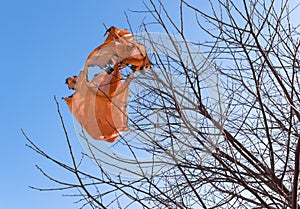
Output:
x=99 y=105
x=120 y=48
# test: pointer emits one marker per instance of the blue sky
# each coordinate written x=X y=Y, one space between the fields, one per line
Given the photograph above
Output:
x=42 y=43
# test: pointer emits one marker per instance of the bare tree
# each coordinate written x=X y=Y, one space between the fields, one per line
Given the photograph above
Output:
x=228 y=143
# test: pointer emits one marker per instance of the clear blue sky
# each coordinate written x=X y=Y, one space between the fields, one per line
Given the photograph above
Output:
x=42 y=43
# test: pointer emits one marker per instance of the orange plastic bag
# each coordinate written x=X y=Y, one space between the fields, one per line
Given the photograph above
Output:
x=99 y=105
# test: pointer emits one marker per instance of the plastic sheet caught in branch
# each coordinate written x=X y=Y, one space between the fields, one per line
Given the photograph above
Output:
x=99 y=104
